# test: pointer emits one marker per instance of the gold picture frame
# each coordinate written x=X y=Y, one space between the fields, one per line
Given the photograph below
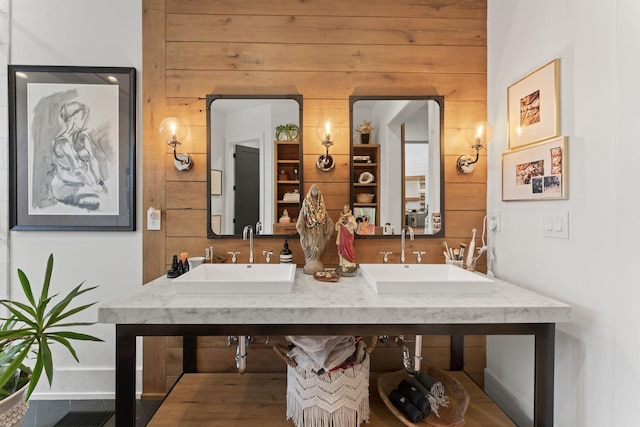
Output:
x=533 y=106
x=216 y=182
x=536 y=172
x=216 y=223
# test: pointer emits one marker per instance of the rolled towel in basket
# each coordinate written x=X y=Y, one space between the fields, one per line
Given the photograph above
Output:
x=433 y=403
x=415 y=396
x=435 y=387
x=405 y=406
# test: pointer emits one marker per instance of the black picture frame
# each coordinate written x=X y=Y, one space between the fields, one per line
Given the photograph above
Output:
x=72 y=133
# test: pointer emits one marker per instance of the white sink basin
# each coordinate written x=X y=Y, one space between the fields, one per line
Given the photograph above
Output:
x=236 y=279
x=423 y=279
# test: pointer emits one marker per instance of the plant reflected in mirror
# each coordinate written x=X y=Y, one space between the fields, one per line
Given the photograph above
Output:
x=404 y=184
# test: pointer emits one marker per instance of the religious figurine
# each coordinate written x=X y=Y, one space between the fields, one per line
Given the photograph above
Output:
x=346 y=227
x=285 y=218
x=314 y=226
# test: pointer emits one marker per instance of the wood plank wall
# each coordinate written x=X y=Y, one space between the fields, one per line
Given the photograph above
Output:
x=326 y=50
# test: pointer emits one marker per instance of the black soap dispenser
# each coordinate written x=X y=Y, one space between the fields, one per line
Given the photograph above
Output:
x=175 y=268
x=286 y=257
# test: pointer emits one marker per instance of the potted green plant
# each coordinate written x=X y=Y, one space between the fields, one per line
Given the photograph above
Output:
x=28 y=332
x=287 y=132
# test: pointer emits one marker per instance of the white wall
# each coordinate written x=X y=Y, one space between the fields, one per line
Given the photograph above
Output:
x=4 y=146
x=598 y=353
x=78 y=33
x=250 y=127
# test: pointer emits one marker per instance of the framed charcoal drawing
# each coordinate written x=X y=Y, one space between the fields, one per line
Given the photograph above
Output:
x=72 y=148
x=533 y=107
x=536 y=172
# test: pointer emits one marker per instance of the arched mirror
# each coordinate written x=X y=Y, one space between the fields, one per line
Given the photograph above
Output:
x=397 y=173
x=254 y=160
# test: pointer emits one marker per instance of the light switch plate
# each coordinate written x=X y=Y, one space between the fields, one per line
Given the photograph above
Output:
x=556 y=225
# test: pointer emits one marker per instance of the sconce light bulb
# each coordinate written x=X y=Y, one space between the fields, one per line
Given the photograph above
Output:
x=479 y=135
x=323 y=131
x=173 y=131
x=326 y=131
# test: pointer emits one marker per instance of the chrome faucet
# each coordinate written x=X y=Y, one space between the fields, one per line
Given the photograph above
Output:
x=233 y=256
x=402 y=234
x=248 y=230
x=418 y=255
x=385 y=258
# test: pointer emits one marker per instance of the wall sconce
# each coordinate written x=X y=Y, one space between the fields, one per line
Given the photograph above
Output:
x=172 y=131
x=478 y=136
x=326 y=134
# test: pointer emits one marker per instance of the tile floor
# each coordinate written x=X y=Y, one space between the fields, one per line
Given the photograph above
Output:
x=46 y=413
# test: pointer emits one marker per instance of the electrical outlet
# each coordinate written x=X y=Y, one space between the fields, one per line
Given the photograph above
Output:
x=493 y=221
x=153 y=219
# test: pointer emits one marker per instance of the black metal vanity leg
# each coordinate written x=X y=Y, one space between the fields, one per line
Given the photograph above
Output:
x=544 y=375
x=189 y=348
x=125 y=376
x=457 y=353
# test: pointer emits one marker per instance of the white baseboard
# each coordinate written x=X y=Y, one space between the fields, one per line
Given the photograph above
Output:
x=73 y=396
x=516 y=408
x=82 y=384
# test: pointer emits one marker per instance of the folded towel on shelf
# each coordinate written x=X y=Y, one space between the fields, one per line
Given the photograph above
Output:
x=434 y=387
x=405 y=406
x=321 y=353
x=415 y=396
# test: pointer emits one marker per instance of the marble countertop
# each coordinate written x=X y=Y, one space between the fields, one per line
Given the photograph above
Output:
x=349 y=301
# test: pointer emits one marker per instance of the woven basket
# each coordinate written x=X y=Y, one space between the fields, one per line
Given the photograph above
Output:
x=337 y=398
x=450 y=416
x=364 y=197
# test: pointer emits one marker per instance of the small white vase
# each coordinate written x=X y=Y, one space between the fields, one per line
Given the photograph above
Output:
x=13 y=408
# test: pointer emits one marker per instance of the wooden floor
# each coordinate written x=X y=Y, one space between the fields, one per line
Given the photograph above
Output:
x=254 y=399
